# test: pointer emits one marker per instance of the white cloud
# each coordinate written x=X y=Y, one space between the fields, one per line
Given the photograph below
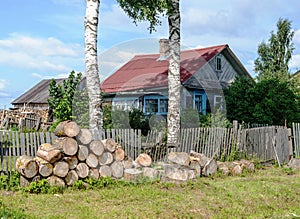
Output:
x=295 y=62
x=3 y=84
x=43 y=54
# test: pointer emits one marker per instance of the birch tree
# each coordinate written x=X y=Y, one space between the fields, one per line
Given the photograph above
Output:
x=145 y=10
x=91 y=65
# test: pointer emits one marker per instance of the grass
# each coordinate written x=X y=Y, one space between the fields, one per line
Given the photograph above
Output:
x=267 y=193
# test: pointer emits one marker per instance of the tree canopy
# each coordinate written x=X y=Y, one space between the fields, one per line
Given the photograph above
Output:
x=275 y=55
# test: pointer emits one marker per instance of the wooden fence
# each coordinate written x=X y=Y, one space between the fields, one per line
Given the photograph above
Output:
x=296 y=139
x=263 y=143
x=15 y=144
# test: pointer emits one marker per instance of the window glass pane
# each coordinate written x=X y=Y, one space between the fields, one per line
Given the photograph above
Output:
x=198 y=102
x=151 y=105
x=163 y=105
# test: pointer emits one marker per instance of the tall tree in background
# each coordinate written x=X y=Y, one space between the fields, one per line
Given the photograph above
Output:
x=275 y=55
x=91 y=64
x=145 y=10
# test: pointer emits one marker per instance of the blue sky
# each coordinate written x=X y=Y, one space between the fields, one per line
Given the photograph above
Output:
x=45 y=39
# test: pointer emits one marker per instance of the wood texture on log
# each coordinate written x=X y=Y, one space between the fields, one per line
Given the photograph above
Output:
x=82 y=170
x=128 y=163
x=27 y=166
x=119 y=154
x=72 y=161
x=24 y=182
x=210 y=168
x=56 y=181
x=45 y=168
x=83 y=152
x=94 y=173
x=92 y=160
x=109 y=144
x=71 y=177
x=132 y=174
x=48 y=152
x=248 y=165
x=68 y=145
x=84 y=137
x=236 y=170
x=144 y=160
x=97 y=147
x=223 y=168
x=67 y=128
x=105 y=171
x=117 y=169
x=201 y=158
x=61 y=169
x=195 y=165
x=106 y=158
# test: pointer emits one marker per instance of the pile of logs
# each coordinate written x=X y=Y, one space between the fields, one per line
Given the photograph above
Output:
x=76 y=155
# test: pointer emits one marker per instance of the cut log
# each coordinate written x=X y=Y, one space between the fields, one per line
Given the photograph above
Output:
x=92 y=160
x=83 y=152
x=105 y=171
x=248 y=165
x=72 y=161
x=109 y=144
x=180 y=158
x=94 y=173
x=45 y=168
x=195 y=165
x=61 y=169
x=68 y=145
x=24 y=182
x=117 y=169
x=49 y=153
x=144 y=160
x=210 y=168
x=236 y=170
x=150 y=173
x=106 y=158
x=67 y=128
x=84 y=137
x=27 y=166
x=56 y=181
x=71 y=177
x=201 y=158
x=119 y=154
x=132 y=174
x=223 y=167
x=97 y=147
x=127 y=163
x=82 y=170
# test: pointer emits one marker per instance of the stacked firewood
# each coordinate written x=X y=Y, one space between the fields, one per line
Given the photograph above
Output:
x=75 y=155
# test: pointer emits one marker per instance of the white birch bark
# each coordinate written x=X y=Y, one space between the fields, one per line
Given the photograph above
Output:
x=91 y=64
x=173 y=120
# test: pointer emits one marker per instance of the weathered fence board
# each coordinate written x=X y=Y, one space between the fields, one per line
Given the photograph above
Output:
x=296 y=138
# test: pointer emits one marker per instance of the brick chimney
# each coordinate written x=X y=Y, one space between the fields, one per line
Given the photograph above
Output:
x=164 y=49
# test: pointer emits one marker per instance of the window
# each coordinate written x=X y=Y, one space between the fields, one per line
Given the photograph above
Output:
x=218 y=102
x=218 y=63
x=156 y=105
x=125 y=103
x=200 y=101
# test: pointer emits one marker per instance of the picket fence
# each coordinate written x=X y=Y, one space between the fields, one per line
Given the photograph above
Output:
x=264 y=143
x=296 y=139
x=15 y=144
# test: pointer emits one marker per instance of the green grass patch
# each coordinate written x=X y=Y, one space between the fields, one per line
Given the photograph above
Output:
x=267 y=193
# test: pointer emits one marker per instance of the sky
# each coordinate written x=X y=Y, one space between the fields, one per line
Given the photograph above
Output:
x=45 y=39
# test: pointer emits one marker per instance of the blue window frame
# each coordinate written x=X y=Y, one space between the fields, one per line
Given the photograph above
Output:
x=200 y=101
x=155 y=104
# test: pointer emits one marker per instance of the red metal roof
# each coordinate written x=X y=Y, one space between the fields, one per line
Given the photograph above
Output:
x=146 y=71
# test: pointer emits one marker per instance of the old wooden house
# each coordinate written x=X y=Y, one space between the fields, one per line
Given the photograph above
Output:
x=143 y=81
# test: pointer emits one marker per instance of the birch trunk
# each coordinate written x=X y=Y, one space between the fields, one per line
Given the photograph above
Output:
x=91 y=64
x=173 y=120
